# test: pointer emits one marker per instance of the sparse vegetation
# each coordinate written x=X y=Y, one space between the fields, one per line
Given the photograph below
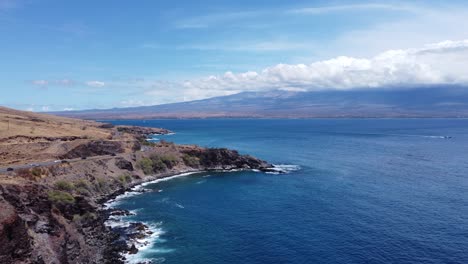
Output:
x=60 y=197
x=83 y=191
x=124 y=179
x=169 y=160
x=83 y=187
x=166 y=143
x=36 y=172
x=102 y=185
x=24 y=173
x=145 y=142
x=158 y=164
x=85 y=217
x=64 y=186
x=82 y=184
x=146 y=165
x=191 y=161
x=32 y=174
x=90 y=216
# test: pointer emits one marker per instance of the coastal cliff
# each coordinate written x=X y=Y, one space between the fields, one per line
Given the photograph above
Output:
x=51 y=211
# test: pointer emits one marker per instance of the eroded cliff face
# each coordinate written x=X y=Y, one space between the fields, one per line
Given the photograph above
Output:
x=14 y=237
x=52 y=214
x=38 y=230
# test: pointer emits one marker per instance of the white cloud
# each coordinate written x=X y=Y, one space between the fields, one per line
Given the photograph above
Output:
x=59 y=82
x=95 y=84
x=40 y=82
x=440 y=63
x=423 y=25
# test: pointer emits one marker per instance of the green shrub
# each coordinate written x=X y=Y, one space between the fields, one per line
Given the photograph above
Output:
x=124 y=179
x=146 y=165
x=83 y=191
x=82 y=184
x=76 y=218
x=90 y=216
x=64 y=186
x=83 y=218
x=169 y=160
x=191 y=161
x=159 y=165
x=60 y=197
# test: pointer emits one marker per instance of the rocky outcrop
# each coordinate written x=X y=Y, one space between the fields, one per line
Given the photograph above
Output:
x=144 y=131
x=124 y=164
x=95 y=148
x=14 y=240
x=35 y=229
x=222 y=158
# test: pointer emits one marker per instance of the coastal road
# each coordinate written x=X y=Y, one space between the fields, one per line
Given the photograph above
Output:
x=48 y=163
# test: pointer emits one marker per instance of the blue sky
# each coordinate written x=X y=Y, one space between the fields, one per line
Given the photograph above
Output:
x=58 y=55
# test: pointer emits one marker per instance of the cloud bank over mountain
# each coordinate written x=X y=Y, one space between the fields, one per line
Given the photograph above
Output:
x=440 y=63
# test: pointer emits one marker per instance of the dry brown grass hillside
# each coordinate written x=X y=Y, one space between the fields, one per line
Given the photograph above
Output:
x=14 y=123
x=27 y=137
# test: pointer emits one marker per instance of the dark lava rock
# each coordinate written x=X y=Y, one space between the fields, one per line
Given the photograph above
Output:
x=133 y=249
x=94 y=148
x=124 y=164
x=138 y=226
x=14 y=239
x=226 y=159
x=121 y=213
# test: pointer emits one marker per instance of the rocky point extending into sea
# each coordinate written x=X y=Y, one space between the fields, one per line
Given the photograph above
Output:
x=55 y=213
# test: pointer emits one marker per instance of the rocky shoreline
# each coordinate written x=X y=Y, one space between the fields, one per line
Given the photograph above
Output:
x=56 y=174
x=127 y=238
x=58 y=216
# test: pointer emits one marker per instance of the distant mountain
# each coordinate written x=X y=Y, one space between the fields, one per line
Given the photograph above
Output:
x=447 y=101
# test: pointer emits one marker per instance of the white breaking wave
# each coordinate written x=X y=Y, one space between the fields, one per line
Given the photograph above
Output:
x=111 y=204
x=147 y=245
x=423 y=136
x=141 y=186
x=284 y=168
x=144 y=245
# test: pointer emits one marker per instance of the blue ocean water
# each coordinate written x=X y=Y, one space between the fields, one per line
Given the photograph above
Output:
x=367 y=191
